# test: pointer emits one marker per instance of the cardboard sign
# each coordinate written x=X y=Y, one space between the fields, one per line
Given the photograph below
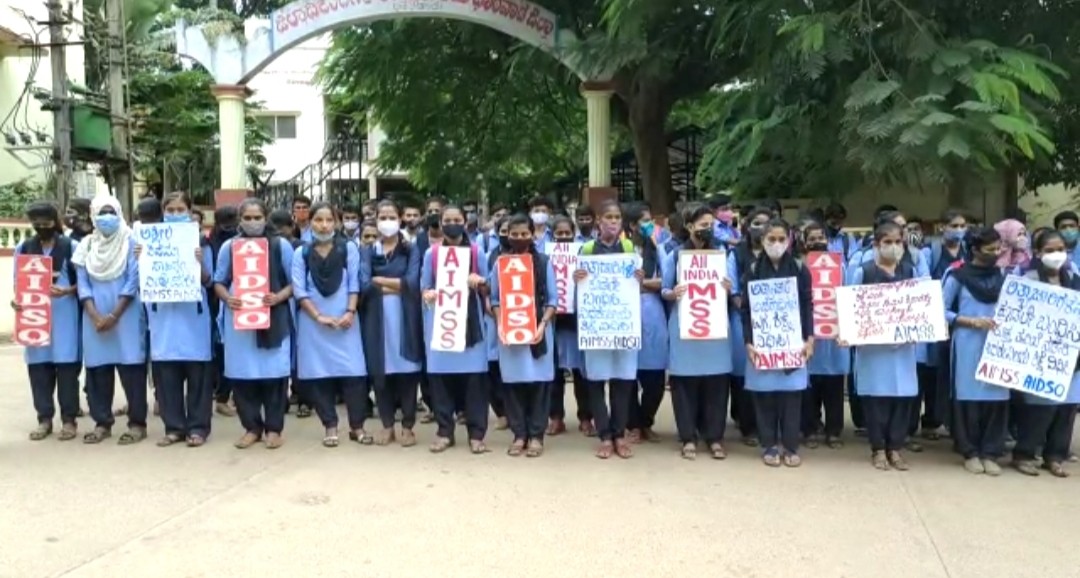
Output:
x=251 y=283
x=452 y=300
x=564 y=258
x=777 y=323
x=168 y=269
x=1033 y=349
x=910 y=311
x=517 y=300
x=826 y=274
x=703 y=312
x=609 y=303
x=33 y=284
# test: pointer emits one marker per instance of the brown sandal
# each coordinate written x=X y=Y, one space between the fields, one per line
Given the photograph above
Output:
x=133 y=435
x=361 y=437
x=169 y=440
x=623 y=449
x=274 y=441
x=407 y=439
x=587 y=429
x=97 y=436
x=195 y=441
x=516 y=448
x=247 y=440
x=535 y=449
x=440 y=445
x=556 y=427
x=718 y=451
x=1056 y=469
x=478 y=447
x=68 y=432
x=42 y=431
x=689 y=452
x=385 y=437
x=606 y=450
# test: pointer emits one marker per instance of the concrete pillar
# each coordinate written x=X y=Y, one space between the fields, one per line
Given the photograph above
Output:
x=234 y=182
x=598 y=107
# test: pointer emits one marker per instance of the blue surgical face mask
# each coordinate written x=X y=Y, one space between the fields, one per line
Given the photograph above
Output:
x=108 y=224
x=954 y=234
x=1070 y=236
x=177 y=218
x=322 y=237
x=647 y=229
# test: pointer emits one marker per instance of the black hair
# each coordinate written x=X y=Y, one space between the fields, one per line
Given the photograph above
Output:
x=323 y=205
x=435 y=199
x=301 y=199
x=949 y=214
x=80 y=206
x=1042 y=236
x=499 y=207
x=887 y=228
x=758 y=211
x=695 y=213
x=281 y=218
x=498 y=225
x=45 y=210
x=778 y=223
x=451 y=207
x=813 y=226
x=886 y=208
x=1065 y=216
x=632 y=213
x=149 y=209
x=886 y=217
x=354 y=208
x=520 y=219
x=541 y=202
x=982 y=237
x=561 y=220
x=835 y=210
x=225 y=214
x=586 y=210
x=367 y=203
x=389 y=203
x=720 y=200
x=176 y=196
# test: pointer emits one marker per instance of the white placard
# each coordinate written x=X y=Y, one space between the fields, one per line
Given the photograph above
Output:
x=703 y=312
x=452 y=266
x=1034 y=347
x=777 y=323
x=168 y=269
x=609 y=303
x=909 y=311
x=564 y=258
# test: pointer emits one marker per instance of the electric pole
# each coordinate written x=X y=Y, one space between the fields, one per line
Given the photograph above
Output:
x=120 y=161
x=62 y=131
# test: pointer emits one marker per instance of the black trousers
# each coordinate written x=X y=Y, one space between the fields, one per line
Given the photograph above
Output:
x=581 y=397
x=645 y=402
x=184 y=396
x=611 y=425
x=221 y=385
x=496 y=392
x=446 y=389
x=260 y=403
x=59 y=379
x=425 y=390
x=527 y=409
x=700 y=404
x=778 y=417
x=397 y=390
x=927 y=402
x=1049 y=427
x=742 y=407
x=979 y=428
x=858 y=418
x=324 y=392
x=825 y=392
x=102 y=389
x=887 y=421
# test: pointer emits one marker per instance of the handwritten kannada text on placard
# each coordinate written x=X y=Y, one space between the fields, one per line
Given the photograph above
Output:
x=609 y=303
x=909 y=311
x=777 y=324
x=168 y=269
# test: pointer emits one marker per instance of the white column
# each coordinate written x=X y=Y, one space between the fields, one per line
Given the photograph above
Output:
x=598 y=107
x=231 y=126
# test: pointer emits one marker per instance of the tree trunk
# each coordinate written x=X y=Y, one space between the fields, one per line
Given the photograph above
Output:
x=648 y=112
x=1012 y=193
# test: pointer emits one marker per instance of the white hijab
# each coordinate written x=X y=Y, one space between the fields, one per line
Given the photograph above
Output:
x=105 y=258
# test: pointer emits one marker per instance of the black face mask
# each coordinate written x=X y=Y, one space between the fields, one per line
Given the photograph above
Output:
x=813 y=247
x=586 y=230
x=504 y=242
x=520 y=245
x=564 y=239
x=454 y=231
x=45 y=233
x=431 y=221
x=703 y=235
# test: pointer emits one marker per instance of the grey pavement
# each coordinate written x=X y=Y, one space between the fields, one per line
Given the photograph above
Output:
x=67 y=509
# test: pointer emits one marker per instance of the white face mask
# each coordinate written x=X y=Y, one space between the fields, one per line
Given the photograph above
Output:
x=539 y=218
x=891 y=253
x=1054 y=261
x=351 y=225
x=388 y=228
x=775 y=250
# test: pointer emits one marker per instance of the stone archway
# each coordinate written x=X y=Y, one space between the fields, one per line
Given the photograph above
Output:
x=234 y=61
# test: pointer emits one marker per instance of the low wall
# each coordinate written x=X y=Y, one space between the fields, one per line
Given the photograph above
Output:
x=12 y=231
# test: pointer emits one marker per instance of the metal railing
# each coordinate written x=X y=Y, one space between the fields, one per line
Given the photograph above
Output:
x=336 y=177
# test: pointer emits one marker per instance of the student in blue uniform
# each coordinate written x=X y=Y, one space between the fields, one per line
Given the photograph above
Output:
x=282 y=225
x=827 y=369
x=463 y=374
x=181 y=348
x=112 y=322
x=618 y=368
x=326 y=284
x=528 y=370
x=496 y=392
x=258 y=363
x=777 y=393
x=1044 y=424
x=54 y=368
x=392 y=324
x=225 y=223
x=700 y=370
x=652 y=359
x=746 y=252
x=567 y=353
x=885 y=374
x=981 y=410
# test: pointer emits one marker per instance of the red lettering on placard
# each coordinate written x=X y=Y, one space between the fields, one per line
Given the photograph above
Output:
x=517 y=307
x=251 y=283
x=452 y=294
x=699 y=296
x=826 y=274
x=780 y=360
x=702 y=310
x=33 y=281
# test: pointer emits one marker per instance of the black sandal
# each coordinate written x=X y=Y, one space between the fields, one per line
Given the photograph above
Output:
x=97 y=436
x=303 y=411
x=169 y=440
x=133 y=435
x=361 y=437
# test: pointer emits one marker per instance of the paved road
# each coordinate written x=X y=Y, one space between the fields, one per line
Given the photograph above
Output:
x=71 y=510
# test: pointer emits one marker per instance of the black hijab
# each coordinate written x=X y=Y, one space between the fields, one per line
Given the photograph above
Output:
x=327 y=272
x=280 y=317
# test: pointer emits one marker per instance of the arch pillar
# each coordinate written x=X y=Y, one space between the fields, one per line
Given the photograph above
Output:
x=598 y=109
x=233 y=184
